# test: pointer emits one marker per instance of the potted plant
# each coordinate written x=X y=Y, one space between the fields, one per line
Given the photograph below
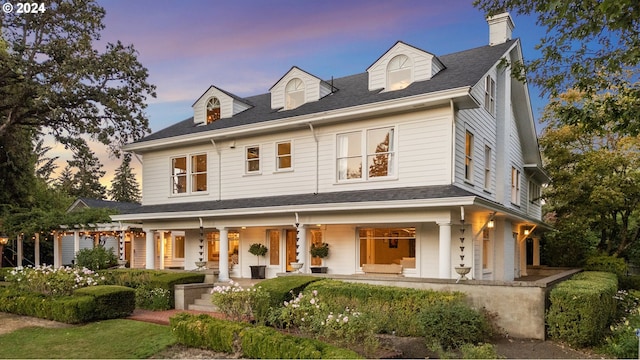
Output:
x=320 y=251
x=258 y=271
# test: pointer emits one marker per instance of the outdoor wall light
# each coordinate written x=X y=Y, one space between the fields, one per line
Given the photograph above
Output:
x=526 y=232
x=4 y=239
x=490 y=224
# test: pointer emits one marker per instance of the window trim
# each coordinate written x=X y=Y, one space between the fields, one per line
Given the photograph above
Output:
x=515 y=186
x=364 y=156
x=278 y=156
x=188 y=174
x=534 y=190
x=174 y=247
x=258 y=159
x=469 y=144
x=488 y=153
x=487 y=254
x=288 y=91
x=490 y=95
x=406 y=66
x=206 y=109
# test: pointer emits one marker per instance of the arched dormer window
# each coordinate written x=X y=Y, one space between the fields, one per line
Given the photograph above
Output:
x=399 y=73
x=213 y=110
x=294 y=94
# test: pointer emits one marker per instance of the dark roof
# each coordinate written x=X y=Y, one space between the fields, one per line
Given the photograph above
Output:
x=355 y=196
x=122 y=207
x=464 y=68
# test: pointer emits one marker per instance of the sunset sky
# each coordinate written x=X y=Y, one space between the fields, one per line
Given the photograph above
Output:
x=244 y=47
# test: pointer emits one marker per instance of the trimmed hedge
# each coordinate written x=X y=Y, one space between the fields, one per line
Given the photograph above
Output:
x=257 y=342
x=582 y=308
x=395 y=309
x=607 y=263
x=629 y=282
x=82 y=307
x=284 y=288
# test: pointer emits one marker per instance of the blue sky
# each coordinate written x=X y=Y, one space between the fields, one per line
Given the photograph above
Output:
x=245 y=46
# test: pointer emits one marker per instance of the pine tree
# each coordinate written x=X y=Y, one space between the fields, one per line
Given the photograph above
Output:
x=87 y=178
x=124 y=186
x=65 y=181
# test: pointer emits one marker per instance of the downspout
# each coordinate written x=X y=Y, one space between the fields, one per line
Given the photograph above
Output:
x=453 y=141
x=315 y=138
x=219 y=172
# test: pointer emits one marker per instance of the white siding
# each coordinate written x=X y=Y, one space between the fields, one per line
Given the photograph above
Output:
x=314 y=88
x=425 y=65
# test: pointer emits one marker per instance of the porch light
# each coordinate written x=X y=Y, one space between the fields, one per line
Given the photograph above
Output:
x=490 y=224
x=4 y=239
x=526 y=232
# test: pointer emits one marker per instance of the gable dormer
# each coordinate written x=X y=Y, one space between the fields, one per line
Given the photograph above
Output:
x=297 y=87
x=217 y=104
x=402 y=65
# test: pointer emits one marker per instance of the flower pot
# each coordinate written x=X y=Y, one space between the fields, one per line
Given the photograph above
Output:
x=258 y=271
x=319 y=269
x=296 y=266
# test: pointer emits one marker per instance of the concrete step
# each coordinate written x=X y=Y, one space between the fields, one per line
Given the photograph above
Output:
x=208 y=308
x=202 y=302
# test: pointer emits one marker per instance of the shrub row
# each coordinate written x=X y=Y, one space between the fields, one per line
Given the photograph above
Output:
x=257 y=342
x=629 y=282
x=582 y=308
x=85 y=305
x=395 y=309
x=284 y=288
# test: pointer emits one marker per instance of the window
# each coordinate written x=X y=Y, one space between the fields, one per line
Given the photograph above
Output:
x=274 y=247
x=196 y=168
x=213 y=110
x=490 y=95
x=380 y=153
x=515 y=186
x=388 y=246
x=178 y=247
x=294 y=94
x=253 y=159
x=486 y=249
x=468 y=156
x=534 y=193
x=399 y=73
x=283 y=155
x=487 y=167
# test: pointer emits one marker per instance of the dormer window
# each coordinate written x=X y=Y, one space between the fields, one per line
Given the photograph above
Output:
x=213 y=110
x=294 y=93
x=399 y=73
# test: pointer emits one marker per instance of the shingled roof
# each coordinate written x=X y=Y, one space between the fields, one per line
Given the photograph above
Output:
x=464 y=68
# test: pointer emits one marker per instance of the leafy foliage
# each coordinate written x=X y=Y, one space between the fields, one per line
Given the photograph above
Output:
x=605 y=263
x=96 y=258
x=153 y=298
x=240 y=304
x=452 y=325
x=319 y=250
x=47 y=280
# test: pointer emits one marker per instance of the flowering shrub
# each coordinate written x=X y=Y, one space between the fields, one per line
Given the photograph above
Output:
x=241 y=304
x=151 y=298
x=623 y=343
x=50 y=281
x=310 y=315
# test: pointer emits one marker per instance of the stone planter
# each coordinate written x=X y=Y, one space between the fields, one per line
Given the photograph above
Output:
x=462 y=271
x=258 y=271
x=319 y=269
x=296 y=266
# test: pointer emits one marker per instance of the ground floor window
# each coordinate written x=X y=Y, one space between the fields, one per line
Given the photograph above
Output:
x=213 y=244
x=388 y=246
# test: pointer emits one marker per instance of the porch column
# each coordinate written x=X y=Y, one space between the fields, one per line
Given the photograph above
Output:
x=57 y=254
x=76 y=244
x=36 y=249
x=302 y=247
x=536 y=251
x=150 y=261
x=444 y=251
x=20 y=253
x=223 y=258
x=163 y=239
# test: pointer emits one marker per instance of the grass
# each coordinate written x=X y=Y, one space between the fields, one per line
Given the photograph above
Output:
x=113 y=339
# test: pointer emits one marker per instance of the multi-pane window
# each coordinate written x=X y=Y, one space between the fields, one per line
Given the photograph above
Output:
x=399 y=73
x=283 y=155
x=294 y=94
x=487 y=167
x=213 y=110
x=189 y=176
x=178 y=247
x=387 y=245
x=515 y=186
x=534 y=193
x=374 y=148
x=252 y=159
x=490 y=95
x=486 y=249
x=468 y=156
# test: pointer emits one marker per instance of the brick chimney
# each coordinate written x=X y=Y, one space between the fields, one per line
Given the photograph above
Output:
x=500 y=28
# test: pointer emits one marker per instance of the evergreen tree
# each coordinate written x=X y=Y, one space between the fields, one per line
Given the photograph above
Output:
x=87 y=178
x=124 y=186
x=44 y=165
x=65 y=181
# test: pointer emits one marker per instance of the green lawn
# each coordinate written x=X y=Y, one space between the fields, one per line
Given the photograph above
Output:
x=104 y=339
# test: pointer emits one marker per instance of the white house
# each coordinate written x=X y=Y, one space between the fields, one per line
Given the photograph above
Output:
x=382 y=165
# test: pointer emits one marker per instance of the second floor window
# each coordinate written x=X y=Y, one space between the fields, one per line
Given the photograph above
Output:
x=213 y=110
x=283 y=156
x=487 y=168
x=189 y=174
x=490 y=95
x=399 y=73
x=534 y=193
x=252 y=159
x=373 y=148
x=468 y=156
x=294 y=94
x=515 y=186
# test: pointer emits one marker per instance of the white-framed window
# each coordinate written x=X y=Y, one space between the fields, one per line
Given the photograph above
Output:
x=189 y=176
x=178 y=246
x=515 y=186
x=373 y=148
x=487 y=167
x=284 y=156
x=213 y=110
x=294 y=94
x=534 y=193
x=486 y=249
x=490 y=95
x=252 y=159
x=468 y=156
x=399 y=73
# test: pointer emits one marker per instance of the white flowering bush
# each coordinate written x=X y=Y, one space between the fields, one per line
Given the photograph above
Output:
x=240 y=304
x=310 y=315
x=153 y=298
x=48 y=280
